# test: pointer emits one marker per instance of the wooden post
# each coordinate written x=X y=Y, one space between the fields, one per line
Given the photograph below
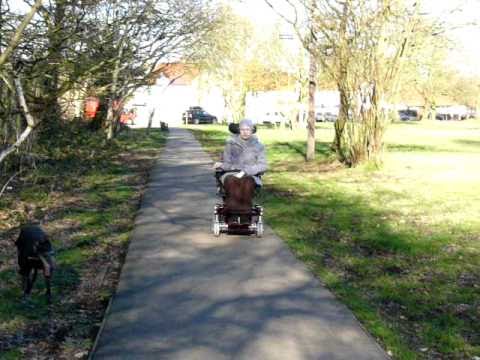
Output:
x=150 y=119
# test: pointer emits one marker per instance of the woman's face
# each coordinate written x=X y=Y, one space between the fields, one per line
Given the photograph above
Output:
x=245 y=132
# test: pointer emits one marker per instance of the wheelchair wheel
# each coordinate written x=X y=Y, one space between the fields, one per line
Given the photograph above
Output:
x=259 y=230
x=216 y=226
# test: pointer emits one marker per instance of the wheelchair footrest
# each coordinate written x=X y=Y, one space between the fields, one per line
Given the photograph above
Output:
x=237 y=222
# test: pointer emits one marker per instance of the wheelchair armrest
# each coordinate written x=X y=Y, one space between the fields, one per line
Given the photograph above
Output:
x=219 y=172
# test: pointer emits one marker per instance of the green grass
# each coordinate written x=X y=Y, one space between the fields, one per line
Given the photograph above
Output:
x=13 y=354
x=399 y=245
x=87 y=193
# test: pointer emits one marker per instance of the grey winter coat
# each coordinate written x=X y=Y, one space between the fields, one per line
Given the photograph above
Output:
x=246 y=155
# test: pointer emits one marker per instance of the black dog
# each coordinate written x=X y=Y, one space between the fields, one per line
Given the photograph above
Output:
x=35 y=253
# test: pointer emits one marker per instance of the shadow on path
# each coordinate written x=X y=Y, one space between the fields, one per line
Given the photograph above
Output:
x=184 y=294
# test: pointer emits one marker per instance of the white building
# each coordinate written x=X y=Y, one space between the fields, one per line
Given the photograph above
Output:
x=175 y=90
x=260 y=103
x=178 y=87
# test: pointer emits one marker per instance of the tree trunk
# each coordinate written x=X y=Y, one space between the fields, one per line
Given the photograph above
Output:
x=51 y=86
x=150 y=120
x=360 y=127
x=340 y=124
x=429 y=108
x=110 y=119
x=243 y=103
x=310 y=153
x=112 y=113
x=297 y=116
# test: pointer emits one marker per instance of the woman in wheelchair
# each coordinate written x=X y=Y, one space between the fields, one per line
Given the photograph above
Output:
x=238 y=176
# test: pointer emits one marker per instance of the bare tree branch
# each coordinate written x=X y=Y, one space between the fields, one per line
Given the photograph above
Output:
x=31 y=123
x=18 y=33
x=8 y=182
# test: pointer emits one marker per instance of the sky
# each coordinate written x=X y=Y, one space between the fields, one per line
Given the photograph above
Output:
x=465 y=57
x=467 y=38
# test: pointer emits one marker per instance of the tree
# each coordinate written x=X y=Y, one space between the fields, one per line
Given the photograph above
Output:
x=146 y=34
x=240 y=59
x=16 y=87
x=68 y=47
x=225 y=61
x=426 y=74
x=362 y=45
x=466 y=90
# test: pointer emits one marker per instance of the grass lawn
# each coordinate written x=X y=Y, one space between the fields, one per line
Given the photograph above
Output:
x=86 y=193
x=399 y=245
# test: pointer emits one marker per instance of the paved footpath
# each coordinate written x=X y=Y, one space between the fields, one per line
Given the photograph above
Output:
x=185 y=294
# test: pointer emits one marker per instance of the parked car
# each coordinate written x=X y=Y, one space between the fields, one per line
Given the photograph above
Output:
x=446 y=116
x=452 y=112
x=324 y=113
x=197 y=115
x=275 y=118
x=443 y=116
x=408 y=115
x=327 y=116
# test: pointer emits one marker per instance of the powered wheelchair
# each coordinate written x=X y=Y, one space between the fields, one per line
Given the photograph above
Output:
x=236 y=214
